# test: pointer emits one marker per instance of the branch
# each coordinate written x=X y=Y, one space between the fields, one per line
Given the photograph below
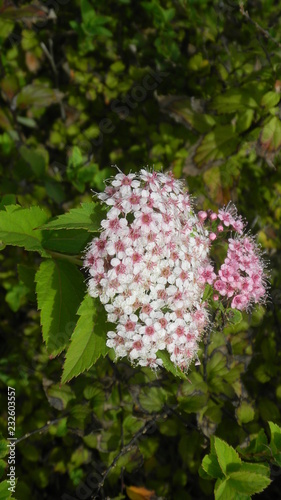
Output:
x=42 y=429
x=258 y=27
x=143 y=430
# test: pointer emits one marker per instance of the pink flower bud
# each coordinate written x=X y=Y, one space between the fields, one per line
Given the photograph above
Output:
x=212 y=236
x=213 y=216
x=215 y=296
x=202 y=215
x=220 y=228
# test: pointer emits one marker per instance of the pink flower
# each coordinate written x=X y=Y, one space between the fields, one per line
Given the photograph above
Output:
x=225 y=217
x=213 y=216
x=202 y=215
x=220 y=286
x=239 y=302
x=207 y=275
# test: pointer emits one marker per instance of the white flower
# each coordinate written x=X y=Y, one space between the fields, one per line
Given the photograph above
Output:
x=144 y=268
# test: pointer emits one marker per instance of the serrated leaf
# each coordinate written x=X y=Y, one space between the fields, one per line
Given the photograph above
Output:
x=169 y=365
x=275 y=441
x=60 y=289
x=69 y=241
x=88 y=341
x=224 y=491
x=88 y=216
x=255 y=468
x=227 y=456
x=248 y=483
x=17 y=227
x=211 y=466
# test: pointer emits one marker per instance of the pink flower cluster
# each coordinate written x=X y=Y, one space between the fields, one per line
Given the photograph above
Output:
x=145 y=267
x=241 y=276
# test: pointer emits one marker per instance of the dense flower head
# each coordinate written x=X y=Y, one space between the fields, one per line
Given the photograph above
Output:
x=242 y=277
x=145 y=267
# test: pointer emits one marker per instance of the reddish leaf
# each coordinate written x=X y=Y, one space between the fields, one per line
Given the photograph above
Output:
x=139 y=493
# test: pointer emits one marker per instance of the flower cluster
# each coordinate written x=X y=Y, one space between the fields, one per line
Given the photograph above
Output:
x=151 y=263
x=145 y=267
x=241 y=276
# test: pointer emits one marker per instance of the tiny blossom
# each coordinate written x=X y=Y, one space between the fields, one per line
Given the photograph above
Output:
x=144 y=268
x=212 y=236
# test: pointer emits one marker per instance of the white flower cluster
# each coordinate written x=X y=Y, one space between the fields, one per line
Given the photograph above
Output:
x=145 y=267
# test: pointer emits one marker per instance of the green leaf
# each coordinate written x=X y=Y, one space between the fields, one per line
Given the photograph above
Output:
x=270 y=99
x=37 y=96
x=234 y=100
x=224 y=491
x=5 y=494
x=7 y=199
x=88 y=216
x=193 y=394
x=248 y=483
x=216 y=365
x=275 y=441
x=152 y=399
x=70 y=241
x=216 y=145
x=4 y=450
x=234 y=316
x=59 y=396
x=169 y=365
x=27 y=277
x=228 y=458
x=270 y=137
x=245 y=413
x=60 y=289
x=36 y=159
x=208 y=292
x=88 y=341
x=255 y=468
x=244 y=120
x=211 y=466
x=17 y=227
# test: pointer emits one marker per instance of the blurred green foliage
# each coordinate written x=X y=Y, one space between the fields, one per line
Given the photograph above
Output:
x=190 y=86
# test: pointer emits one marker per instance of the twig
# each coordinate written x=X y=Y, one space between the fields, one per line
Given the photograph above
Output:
x=143 y=430
x=265 y=33
x=42 y=429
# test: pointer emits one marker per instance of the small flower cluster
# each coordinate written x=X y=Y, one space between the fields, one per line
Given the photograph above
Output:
x=241 y=276
x=145 y=267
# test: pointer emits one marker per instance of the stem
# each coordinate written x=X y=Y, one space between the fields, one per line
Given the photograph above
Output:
x=259 y=28
x=74 y=259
